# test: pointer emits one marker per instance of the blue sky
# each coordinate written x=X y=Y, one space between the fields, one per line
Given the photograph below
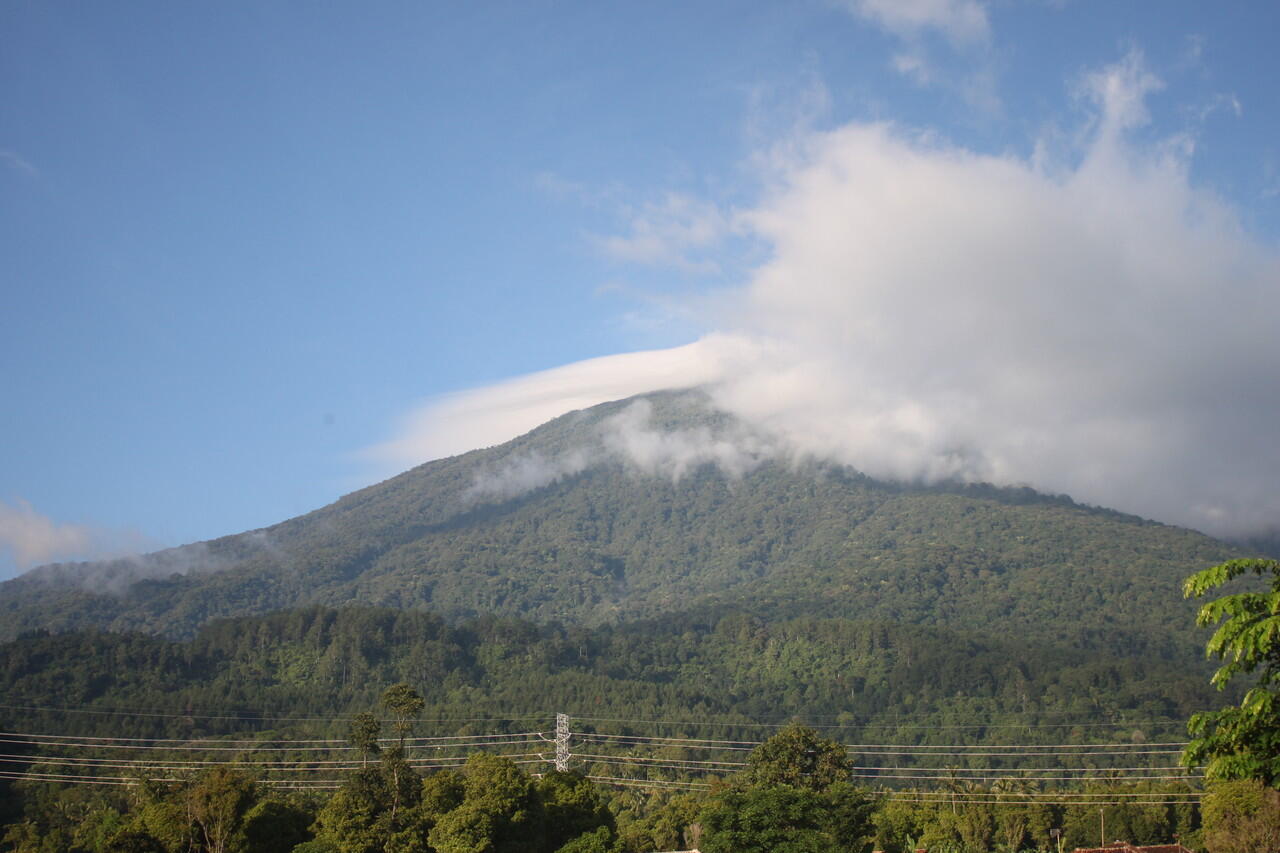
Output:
x=259 y=255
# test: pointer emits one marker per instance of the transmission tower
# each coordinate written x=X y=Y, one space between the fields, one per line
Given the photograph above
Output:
x=562 y=742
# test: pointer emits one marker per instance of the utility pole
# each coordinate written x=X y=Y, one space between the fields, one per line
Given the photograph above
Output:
x=562 y=742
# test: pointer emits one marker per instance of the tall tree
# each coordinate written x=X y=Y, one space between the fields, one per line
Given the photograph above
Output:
x=363 y=734
x=1240 y=742
x=404 y=704
x=218 y=802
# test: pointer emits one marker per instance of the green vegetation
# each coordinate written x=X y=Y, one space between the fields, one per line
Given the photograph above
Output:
x=702 y=607
x=897 y=681
x=1241 y=742
x=315 y=672
x=794 y=796
x=491 y=804
x=1242 y=817
x=610 y=544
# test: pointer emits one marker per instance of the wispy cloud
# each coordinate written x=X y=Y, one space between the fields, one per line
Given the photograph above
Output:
x=674 y=232
x=631 y=438
x=963 y=22
x=961 y=28
x=1120 y=92
x=1095 y=325
x=31 y=538
x=18 y=163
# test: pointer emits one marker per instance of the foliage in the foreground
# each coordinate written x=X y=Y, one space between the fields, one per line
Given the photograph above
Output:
x=1242 y=817
x=1243 y=741
x=218 y=811
x=793 y=798
x=491 y=805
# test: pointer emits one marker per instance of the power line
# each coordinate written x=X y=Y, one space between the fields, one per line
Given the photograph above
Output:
x=1018 y=769
x=253 y=715
x=748 y=743
x=1077 y=797
x=649 y=783
x=1074 y=779
x=449 y=751
x=415 y=740
x=682 y=760
x=1161 y=802
x=931 y=726
x=262 y=745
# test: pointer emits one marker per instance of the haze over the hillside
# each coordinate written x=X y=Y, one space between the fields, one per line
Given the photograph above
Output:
x=1082 y=320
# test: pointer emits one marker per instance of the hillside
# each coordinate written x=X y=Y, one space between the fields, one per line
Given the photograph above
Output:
x=734 y=670
x=642 y=508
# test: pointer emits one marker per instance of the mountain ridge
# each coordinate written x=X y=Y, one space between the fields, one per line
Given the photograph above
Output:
x=650 y=505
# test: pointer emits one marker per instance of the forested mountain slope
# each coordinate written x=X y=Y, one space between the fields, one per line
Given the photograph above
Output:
x=301 y=668
x=646 y=507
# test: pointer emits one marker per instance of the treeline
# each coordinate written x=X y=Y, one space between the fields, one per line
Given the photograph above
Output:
x=905 y=684
x=794 y=795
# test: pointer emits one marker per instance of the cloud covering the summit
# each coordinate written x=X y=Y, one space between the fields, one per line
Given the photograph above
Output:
x=1092 y=323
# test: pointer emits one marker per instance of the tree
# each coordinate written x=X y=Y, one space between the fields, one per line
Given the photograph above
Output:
x=797 y=756
x=276 y=826
x=363 y=734
x=850 y=815
x=767 y=819
x=1241 y=817
x=599 y=841
x=441 y=793
x=1240 y=742
x=572 y=807
x=218 y=803
x=349 y=820
x=371 y=807
x=794 y=797
x=404 y=704
x=133 y=841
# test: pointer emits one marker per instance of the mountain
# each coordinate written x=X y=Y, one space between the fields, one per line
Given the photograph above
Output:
x=661 y=504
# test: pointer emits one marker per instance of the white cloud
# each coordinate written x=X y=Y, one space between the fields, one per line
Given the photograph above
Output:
x=964 y=27
x=912 y=64
x=673 y=232
x=18 y=163
x=964 y=22
x=1120 y=92
x=521 y=474
x=1099 y=327
x=631 y=438
x=31 y=538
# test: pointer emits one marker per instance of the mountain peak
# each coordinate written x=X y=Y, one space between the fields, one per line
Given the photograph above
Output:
x=639 y=507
